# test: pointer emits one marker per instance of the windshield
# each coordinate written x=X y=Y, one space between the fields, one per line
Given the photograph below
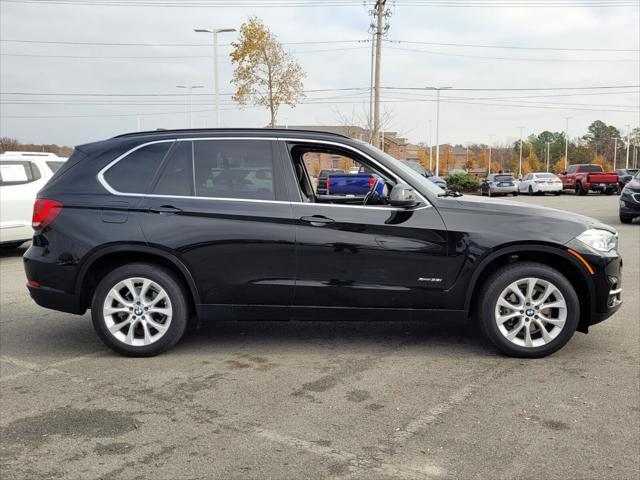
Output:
x=591 y=168
x=408 y=172
x=637 y=175
x=545 y=175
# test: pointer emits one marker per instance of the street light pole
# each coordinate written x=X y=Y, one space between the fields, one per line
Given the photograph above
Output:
x=615 y=152
x=566 y=142
x=548 y=143
x=489 y=169
x=626 y=165
x=189 y=88
x=437 y=89
x=215 y=33
x=430 y=149
x=520 y=161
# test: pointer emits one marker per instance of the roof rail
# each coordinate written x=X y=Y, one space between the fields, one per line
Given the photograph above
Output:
x=161 y=131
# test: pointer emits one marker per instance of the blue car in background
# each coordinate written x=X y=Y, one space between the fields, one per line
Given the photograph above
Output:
x=353 y=184
x=439 y=181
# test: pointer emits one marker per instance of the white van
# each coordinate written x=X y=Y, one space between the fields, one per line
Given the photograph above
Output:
x=22 y=175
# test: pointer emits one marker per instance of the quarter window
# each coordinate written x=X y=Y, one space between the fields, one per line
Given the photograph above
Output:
x=134 y=172
x=234 y=169
x=54 y=165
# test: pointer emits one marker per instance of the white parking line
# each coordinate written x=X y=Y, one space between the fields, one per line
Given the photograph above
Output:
x=32 y=368
x=357 y=466
x=459 y=396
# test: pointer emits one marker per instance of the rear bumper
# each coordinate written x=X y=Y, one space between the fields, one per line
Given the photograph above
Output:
x=56 y=299
x=550 y=188
x=498 y=190
x=600 y=187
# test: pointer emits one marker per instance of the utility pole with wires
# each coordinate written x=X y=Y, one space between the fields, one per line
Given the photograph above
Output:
x=372 y=29
x=381 y=15
x=615 y=152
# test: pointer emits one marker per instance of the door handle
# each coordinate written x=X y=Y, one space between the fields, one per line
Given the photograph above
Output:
x=165 y=210
x=317 y=220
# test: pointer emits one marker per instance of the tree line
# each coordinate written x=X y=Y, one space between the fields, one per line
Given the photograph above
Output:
x=596 y=146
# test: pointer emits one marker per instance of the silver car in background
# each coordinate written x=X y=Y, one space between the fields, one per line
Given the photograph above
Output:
x=499 y=184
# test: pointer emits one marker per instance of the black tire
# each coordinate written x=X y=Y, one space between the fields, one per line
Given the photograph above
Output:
x=625 y=219
x=609 y=192
x=515 y=194
x=530 y=190
x=580 y=190
x=177 y=297
x=11 y=245
x=494 y=286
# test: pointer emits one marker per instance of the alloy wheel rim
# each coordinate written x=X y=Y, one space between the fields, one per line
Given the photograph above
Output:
x=137 y=311
x=531 y=312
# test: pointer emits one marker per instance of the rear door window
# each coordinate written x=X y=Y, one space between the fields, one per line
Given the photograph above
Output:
x=134 y=172
x=177 y=176
x=240 y=169
x=18 y=172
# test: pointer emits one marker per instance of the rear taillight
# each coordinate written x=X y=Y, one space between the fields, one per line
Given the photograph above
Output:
x=371 y=181
x=44 y=212
x=328 y=183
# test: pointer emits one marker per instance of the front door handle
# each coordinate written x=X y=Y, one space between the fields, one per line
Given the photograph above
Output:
x=165 y=210
x=317 y=220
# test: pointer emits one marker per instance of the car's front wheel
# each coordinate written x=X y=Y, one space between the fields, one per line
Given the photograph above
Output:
x=528 y=310
x=139 y=310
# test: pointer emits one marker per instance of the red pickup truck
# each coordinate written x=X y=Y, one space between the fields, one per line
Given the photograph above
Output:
x=584 y=177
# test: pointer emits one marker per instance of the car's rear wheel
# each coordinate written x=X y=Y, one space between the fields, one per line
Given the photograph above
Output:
x=528 y=310
x=580 y=190
x=139 y=310
x=530 y=190
x=625 y=219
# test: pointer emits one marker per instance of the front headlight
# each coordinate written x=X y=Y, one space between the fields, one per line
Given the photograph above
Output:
x=601 y=240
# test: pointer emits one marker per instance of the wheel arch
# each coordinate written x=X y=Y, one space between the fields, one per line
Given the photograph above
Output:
x=104 y=260
x=554 y=257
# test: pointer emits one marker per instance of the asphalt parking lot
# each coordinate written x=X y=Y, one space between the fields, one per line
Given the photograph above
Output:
x=320 y=399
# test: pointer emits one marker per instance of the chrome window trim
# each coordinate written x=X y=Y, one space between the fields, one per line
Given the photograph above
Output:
x=113 y=191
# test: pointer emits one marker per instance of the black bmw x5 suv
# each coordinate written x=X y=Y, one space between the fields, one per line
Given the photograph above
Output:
x=153 y=230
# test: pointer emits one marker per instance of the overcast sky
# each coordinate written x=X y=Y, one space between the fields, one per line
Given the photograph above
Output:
x=71 y=120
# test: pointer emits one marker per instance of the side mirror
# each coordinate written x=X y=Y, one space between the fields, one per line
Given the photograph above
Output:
x=403 y=195
x=563 y=173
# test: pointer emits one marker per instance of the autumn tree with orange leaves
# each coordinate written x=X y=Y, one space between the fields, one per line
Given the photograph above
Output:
x=265 y=75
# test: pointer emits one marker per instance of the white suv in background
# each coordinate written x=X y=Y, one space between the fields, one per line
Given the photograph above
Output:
x=22 y=175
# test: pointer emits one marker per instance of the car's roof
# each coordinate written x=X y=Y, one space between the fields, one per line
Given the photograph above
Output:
x=29 y=155
x=241 y=132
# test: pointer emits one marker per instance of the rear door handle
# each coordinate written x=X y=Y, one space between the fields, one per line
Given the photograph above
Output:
x=317 y=220
x=165 y=210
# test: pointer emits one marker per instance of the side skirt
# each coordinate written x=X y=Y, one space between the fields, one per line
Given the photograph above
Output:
x=208 y=312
